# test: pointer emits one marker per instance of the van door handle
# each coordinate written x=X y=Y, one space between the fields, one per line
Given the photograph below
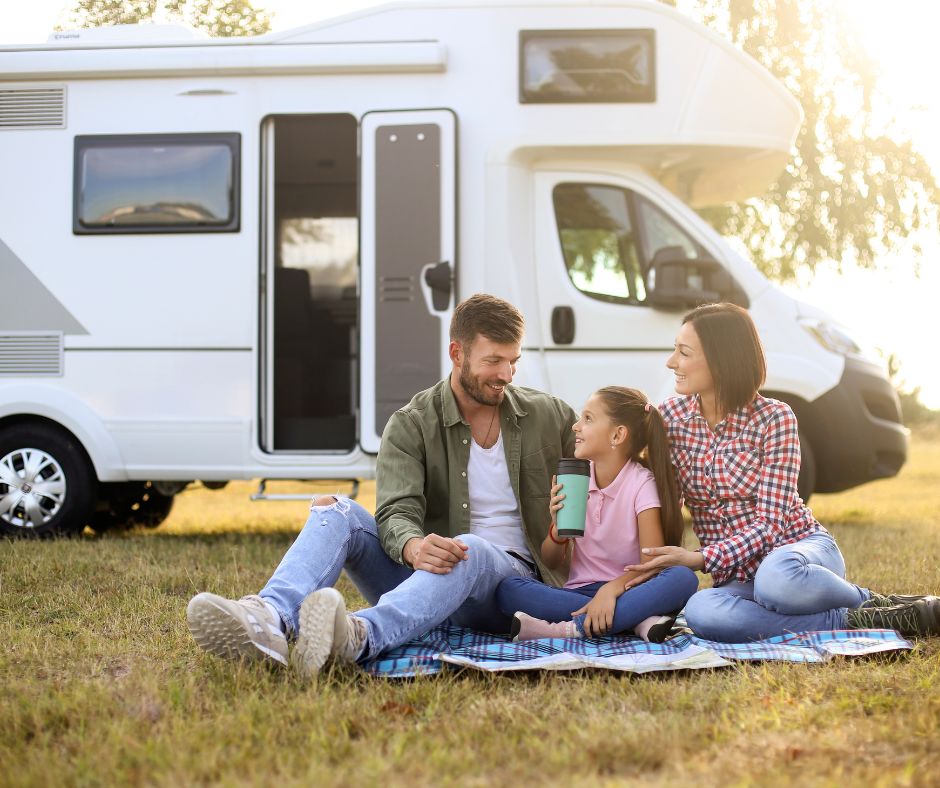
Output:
x=438 y=277
x=563 y=325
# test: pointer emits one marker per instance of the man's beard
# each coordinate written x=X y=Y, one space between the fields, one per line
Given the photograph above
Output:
x=476 y=390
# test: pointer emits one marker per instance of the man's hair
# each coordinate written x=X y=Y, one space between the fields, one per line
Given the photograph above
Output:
x=489 y=316
x=733 y=351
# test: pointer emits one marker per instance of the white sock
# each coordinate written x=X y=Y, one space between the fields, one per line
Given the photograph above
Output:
x=277 y=616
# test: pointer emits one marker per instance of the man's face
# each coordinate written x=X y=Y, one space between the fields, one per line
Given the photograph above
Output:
x=486 y=368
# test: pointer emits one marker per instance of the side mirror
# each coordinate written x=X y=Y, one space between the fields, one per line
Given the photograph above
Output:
x=676 y=282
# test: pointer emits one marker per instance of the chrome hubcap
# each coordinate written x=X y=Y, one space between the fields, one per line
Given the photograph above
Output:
x=32 y=488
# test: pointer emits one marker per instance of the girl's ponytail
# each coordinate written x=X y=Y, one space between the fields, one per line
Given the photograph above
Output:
x=657 y=456
x=649 y=445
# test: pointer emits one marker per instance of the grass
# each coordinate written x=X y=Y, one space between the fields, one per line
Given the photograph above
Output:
x=101 y=684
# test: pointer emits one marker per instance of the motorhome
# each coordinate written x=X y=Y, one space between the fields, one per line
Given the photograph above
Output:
x=234 y=259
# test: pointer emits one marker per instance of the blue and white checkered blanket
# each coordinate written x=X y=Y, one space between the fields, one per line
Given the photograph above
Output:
x=446 y=645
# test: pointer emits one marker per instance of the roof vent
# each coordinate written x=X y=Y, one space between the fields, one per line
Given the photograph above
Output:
x=30 y=354
x=32 y=108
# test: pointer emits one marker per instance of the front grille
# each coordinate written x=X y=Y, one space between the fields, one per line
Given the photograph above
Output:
x=882 y=406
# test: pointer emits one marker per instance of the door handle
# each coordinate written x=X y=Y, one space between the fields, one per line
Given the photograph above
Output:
x=439 y=278
x=563 y=325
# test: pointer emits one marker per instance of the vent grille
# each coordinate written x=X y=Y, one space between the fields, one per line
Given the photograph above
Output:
x=32 y=108
x=30 y=354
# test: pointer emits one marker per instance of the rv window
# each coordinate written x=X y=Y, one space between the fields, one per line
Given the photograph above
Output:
x=600 y=66
x=659 y=232
x=598 y=243
x=156 y=183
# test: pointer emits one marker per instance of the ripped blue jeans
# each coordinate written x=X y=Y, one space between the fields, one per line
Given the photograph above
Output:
x=404 y=603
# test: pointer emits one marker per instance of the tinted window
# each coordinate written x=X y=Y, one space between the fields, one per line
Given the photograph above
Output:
x=604 y=66
x=598 y=242
x=156 y=183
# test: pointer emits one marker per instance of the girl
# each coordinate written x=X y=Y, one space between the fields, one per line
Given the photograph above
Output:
x=632 y=504
x=737 y=454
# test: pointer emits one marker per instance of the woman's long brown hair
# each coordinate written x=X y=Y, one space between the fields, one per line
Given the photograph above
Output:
x=649 y=446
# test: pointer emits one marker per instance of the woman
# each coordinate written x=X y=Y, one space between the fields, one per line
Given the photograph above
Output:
x=775 y=569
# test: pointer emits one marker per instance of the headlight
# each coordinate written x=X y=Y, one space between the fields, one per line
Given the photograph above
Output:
x=831 y=337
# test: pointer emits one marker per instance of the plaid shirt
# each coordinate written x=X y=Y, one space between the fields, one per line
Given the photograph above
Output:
x=739 y=482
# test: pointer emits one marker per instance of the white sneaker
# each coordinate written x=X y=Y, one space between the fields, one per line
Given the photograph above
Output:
x=242 y=629
x=326 y=630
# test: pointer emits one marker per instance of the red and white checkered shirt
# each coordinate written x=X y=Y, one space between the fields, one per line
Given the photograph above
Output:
x=739 y=482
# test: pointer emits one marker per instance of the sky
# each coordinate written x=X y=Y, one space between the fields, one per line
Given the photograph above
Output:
x=886 y=310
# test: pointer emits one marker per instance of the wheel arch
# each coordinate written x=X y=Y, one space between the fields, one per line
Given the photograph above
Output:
x=64 y=411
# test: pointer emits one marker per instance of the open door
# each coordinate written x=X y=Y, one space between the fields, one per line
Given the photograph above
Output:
x=408 y=265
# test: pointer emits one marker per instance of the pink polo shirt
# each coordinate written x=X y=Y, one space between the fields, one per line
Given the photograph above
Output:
x=611 y=536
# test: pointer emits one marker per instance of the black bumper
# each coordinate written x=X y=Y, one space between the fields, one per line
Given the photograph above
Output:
x=856 y=429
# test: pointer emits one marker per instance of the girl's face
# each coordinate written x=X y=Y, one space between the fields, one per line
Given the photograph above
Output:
x=594 y=431
x=688 y=364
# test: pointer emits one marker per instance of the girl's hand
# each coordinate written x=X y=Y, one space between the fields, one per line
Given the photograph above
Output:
x=599 y=612
x=555 y=503
x=663 y=557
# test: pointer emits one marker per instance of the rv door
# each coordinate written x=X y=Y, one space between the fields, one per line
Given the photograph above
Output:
x=408 y=266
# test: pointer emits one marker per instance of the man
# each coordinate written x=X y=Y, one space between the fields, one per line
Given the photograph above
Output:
x=462 y=487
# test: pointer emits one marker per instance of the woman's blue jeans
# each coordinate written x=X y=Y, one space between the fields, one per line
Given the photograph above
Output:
x=799 y=587
x=665 y=593
x=405 y=603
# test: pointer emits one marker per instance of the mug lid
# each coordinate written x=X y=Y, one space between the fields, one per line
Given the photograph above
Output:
x=574 y=465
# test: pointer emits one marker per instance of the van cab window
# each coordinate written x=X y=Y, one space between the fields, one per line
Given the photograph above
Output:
x=147 y=183
x=660 y=232
x=598 y=242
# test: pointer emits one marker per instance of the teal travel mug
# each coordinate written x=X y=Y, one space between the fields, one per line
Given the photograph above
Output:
x=574 y=474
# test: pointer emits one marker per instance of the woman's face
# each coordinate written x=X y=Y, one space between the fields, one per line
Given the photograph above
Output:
x=688 y=364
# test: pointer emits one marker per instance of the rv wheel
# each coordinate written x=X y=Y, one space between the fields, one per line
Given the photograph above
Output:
x=125 y=505
x=47 y=484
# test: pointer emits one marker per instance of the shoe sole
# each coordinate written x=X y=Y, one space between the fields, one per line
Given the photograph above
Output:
x=515 y=628
x=218 y=632
x=319 y=614
x=659 y=632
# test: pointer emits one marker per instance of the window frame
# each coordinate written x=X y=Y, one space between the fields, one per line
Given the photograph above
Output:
x=85 y=142
x=647 y=96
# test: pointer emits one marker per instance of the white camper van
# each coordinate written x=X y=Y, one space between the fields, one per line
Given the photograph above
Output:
x=233 y=259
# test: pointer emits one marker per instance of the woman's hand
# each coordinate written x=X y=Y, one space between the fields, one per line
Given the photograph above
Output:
x=599 y=612
x=555 y=503
x=662 y=558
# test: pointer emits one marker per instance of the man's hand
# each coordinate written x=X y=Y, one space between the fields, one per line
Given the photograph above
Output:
x=599 y=612
x=434 y=553
x=663 y=557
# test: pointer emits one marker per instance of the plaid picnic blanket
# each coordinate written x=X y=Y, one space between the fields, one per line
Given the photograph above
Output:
x=447 y=645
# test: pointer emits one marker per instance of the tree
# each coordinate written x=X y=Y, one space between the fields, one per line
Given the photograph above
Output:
x=216 y=17
x=855 y=186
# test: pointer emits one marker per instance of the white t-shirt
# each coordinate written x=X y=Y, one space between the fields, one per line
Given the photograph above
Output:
x=494 y=510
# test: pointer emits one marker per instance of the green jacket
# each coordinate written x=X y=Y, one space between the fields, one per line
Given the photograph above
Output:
x=421 y=473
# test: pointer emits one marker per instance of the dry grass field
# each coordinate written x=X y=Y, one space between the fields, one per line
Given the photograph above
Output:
x=100 y=683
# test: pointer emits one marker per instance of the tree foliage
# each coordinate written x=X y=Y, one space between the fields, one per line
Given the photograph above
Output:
x=217 y=17
x=856 y=187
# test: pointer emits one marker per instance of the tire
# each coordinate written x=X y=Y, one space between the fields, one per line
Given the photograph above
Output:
x=47 y=483
x=807 y=481
x=125 y=505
